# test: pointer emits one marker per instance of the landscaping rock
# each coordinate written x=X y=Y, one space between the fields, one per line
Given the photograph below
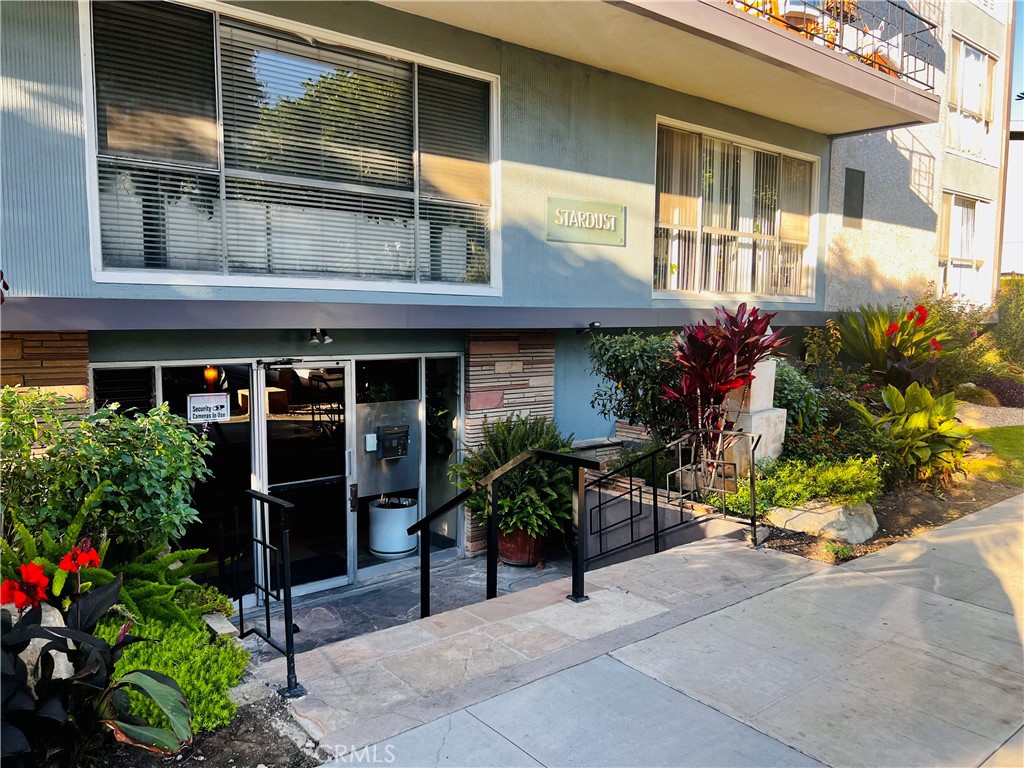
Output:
x=853 y=525
x=62 y=666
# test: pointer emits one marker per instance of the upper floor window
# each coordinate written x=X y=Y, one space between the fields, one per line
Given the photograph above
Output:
x=230 y=149
x=730 y=218
x=960 y=259
x=969 y=127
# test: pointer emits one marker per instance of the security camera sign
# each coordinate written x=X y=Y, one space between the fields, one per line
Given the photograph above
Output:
x=203 y=408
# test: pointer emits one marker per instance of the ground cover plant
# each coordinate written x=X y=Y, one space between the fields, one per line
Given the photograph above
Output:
x=205 y=670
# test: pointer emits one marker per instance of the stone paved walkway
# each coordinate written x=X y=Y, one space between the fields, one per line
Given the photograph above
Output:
x=708 y=654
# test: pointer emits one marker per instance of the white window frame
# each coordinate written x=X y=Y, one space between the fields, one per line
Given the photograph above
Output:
x=957 y=112
x=179 y=278
x=946 y=262
x=810 y=258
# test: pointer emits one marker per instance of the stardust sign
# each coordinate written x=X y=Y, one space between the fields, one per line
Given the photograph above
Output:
x=582 y=221
x=203 y=408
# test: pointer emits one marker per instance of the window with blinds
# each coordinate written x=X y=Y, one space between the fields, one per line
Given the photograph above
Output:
x=971 y=102
x=235 y=150
x=730 y=218
x=958 y=262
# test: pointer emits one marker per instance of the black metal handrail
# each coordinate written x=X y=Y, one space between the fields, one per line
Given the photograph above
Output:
x=579 y=465
x=710 y=461
x=265 y=590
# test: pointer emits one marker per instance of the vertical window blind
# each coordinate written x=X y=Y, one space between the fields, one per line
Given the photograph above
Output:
x=227 y=148
x=730 y=218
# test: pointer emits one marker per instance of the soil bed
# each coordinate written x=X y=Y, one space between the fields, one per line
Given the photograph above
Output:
x=903 y=514
x=248 y=741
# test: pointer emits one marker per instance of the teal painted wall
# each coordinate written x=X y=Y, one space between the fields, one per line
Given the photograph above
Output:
x=574 y=386
x=567 y=130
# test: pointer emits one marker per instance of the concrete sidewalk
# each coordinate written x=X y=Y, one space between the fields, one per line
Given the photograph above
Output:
x=708 y=654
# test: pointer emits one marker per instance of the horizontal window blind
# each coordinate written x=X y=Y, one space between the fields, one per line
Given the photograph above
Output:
x=315 y=114
x=156 y=219
x=454 y=137
x=130 y=387
x=318 y=174
x=155 y=85
x=289 y=230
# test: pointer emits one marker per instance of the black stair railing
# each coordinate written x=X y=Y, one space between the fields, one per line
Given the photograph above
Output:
x=704 y=465
x=490 y=483
x=274 y=563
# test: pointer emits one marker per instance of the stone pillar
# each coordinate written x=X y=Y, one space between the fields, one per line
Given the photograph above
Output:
x=507 y=372
x=54 y=361
x=761 y=417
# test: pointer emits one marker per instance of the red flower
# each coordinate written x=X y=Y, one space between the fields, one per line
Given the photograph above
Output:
x=892 y=329
x=30 y=591
x=936 y=347
x=82 y=556
x=910 y=315
x=922 y=315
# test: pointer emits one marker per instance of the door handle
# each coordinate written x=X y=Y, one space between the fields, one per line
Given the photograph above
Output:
x=353 y=498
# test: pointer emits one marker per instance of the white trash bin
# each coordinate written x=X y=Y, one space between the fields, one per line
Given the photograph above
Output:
x=389 y=521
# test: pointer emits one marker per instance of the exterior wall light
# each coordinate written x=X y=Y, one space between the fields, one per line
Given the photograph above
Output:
x=317 y=336
x=589 y=329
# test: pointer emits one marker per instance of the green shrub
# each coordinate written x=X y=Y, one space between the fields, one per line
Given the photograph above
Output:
x=148 y=464
x=929 y=440
x=849 y=482
x=204 y=599
x=205 y=670
x=785 y=483
x=634 y=368
x=977 y=395
x=537 y=496
x=800 y=398
x=1009 y=331
x=970 y=354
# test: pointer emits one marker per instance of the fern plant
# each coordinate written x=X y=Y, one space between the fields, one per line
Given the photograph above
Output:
x=536 y=497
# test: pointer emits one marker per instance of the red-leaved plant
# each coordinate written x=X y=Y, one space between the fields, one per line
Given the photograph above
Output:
x=716 y=360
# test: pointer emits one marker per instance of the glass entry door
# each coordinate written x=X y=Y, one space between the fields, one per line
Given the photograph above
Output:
x=306 y=409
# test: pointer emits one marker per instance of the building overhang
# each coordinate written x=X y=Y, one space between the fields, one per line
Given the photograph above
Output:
x=705 y=48
x=66 y=314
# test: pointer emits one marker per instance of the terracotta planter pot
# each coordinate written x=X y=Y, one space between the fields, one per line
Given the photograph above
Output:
x=520 y=549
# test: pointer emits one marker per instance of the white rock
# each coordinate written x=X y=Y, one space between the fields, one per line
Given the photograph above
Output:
x=62 y=666
x=853 y=525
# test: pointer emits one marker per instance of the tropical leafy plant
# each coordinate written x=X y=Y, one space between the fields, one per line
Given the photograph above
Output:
x=634 y=368
x=899 y=346
x=154 y=582
x=713 y=361
x=148 y=463
x=59 y=717
x=536 y=497
x=929 y=439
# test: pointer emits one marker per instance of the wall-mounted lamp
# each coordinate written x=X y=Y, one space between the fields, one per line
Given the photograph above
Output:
x=317 y=336
x=210 y=376
x=589 y=329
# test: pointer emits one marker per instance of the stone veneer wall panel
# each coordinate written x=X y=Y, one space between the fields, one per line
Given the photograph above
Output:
x=55 y=361
x=507 y=372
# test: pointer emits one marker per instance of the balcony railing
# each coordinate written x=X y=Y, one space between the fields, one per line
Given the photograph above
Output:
x=881 y=34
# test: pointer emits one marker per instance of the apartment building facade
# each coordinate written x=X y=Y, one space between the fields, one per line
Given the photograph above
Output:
x=338 y=236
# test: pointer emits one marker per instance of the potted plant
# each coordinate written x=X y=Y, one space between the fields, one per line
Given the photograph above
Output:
x=534 y=499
